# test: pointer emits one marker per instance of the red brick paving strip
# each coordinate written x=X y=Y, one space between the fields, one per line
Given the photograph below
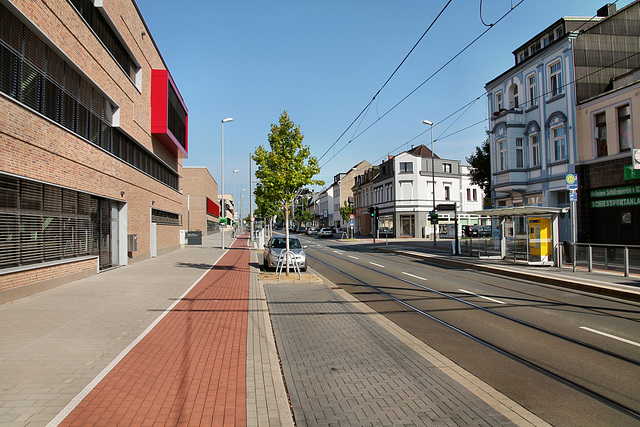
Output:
x=191 y=368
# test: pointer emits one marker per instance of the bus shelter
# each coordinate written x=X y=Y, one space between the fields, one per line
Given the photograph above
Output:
x=536 y=227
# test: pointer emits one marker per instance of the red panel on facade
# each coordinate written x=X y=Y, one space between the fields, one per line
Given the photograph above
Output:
x=213 y=208
x=163 y=90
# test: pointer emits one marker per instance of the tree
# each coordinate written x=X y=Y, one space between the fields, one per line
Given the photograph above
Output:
x=266 y=207
x=345 y=213
x=287 y=168
x=480 y=167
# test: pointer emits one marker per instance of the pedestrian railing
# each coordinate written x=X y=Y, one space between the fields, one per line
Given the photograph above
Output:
x=621 y=258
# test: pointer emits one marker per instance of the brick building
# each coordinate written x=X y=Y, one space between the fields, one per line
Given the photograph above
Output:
x=93 y=131
x=201 y=210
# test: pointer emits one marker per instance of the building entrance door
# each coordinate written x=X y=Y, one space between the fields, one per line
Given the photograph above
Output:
x=101 y=231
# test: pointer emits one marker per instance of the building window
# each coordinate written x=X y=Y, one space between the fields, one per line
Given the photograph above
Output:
x=559 y=144
x=446 y=167
x=475 y=195
x=519 y=152
x=41 y=222
x=406 y=167
x=499 y=101
x=535 y=150
x=468 y=194
x=107 y=36
x=624 y=128
x=46 y=83
x=164 y=217
x=531 y=90
x=555 y=78
x=601 y=134
x=447 y=193
x=502 y=149
x=514 y=96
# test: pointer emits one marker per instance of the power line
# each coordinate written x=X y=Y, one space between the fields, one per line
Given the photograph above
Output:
x=387 y=81
x=416 y=89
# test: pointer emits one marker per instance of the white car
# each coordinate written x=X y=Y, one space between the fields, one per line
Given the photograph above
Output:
x=276 y=247
x=325 y=232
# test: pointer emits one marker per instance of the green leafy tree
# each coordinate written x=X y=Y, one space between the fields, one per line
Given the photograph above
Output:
x=480 y=167
x=346 y=211
x=266 y=207
x=286 y=168
x=303 y=216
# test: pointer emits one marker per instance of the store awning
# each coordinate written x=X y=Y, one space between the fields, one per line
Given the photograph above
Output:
x=521 y=211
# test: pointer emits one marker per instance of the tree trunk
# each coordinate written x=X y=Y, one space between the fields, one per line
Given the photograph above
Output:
x=286 y=224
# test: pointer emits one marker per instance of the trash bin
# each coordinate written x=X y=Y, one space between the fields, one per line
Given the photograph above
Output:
x=567 y=245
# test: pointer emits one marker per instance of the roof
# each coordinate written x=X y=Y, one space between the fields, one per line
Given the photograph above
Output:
x=422 y=151
x=521 y=211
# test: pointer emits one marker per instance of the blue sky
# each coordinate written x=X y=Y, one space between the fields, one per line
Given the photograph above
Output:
x=324 y=60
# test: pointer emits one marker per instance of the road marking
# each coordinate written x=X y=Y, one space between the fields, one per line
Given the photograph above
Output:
x=487 y=298
x=377 y=265
x=610 y=336
x=417 y=277
x=338 y=252
x=351 y=256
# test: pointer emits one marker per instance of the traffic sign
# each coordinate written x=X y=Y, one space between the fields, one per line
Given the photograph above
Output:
x=253 y=219
x=352 y=217
x=572 y=181
x=573 y=196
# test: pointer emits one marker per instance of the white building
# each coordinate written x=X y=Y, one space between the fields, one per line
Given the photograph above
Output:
x=402 y=189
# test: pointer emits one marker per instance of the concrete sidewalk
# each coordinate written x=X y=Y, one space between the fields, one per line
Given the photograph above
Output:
x=187 y=338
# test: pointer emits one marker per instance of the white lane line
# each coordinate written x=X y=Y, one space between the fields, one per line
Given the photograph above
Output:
x=416 y=277
x=610 y=336
x=487 y=298
x=377 y=265
x=351 y=256
x=338 y=252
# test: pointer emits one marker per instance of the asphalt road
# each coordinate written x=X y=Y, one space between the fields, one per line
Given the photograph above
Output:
x=532 y=328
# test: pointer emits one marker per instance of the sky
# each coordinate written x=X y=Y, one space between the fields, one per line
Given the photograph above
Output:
x=324 y=61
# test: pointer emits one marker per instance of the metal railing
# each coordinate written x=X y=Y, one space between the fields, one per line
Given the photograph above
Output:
x=621 y=258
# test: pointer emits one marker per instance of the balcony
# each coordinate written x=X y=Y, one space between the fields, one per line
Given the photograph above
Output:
x=514 y=116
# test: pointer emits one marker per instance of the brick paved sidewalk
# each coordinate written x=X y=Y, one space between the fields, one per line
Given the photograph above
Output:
x=189 y=369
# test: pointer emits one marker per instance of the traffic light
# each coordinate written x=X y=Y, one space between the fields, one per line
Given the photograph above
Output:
x=371 y=211
x=377 y=212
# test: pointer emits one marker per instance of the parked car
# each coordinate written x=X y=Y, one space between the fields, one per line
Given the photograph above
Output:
x=470 y=231
x=312 y=231
x=277 y=247
x=485 y=231
x=325 y=232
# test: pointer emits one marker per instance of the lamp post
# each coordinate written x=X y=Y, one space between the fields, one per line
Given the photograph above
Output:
x=222 y=215
x=433 y=178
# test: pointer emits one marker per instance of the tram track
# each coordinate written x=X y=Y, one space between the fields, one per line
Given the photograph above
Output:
x=578 y=382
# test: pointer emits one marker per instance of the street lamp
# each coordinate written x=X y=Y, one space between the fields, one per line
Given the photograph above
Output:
x=222 y=215
x=433 y=178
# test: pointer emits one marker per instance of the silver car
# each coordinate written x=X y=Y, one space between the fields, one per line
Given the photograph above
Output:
x=276 y=247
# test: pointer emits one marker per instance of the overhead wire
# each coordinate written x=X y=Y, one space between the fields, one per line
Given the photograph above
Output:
x=418 y=87
x=387 y=81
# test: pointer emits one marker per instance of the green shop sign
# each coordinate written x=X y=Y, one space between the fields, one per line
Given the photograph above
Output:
x=616 y=192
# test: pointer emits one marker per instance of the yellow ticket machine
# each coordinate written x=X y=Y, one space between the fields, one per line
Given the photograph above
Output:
x=540 y=241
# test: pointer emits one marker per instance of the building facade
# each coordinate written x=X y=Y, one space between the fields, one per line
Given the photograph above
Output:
x=199 y=194
x=609 y=187
x=533 y=131
x=93 y=131
x=402 y=189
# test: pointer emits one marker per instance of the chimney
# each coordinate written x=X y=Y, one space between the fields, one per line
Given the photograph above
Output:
x=607 y=10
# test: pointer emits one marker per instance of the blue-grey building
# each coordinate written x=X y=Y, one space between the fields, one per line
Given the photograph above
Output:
x=532 y=105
